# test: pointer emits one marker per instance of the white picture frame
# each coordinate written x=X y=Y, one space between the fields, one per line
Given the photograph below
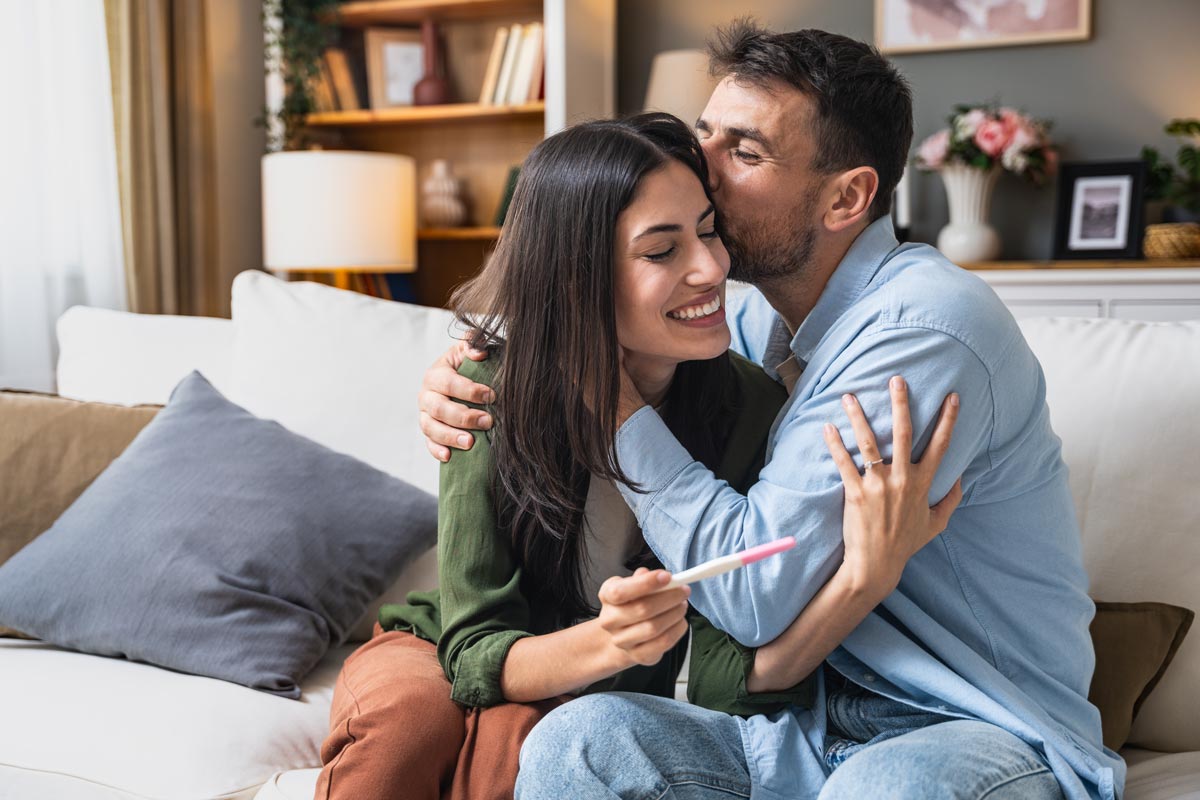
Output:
x=924 y=26
x=1100 y=213
x=395 y=64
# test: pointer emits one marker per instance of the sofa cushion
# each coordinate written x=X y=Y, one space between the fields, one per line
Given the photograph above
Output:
x=84 y=726
x=218 y=544
x=122 y=358
x=338 y=367
x=1123 y=397
x=51 y=448
x=1135 y=643
x=1162 y=776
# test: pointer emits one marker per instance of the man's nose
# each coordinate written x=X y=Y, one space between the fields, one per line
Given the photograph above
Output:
x=714 y=171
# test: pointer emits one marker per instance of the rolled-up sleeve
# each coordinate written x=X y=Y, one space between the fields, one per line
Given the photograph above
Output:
x=689 y=516
x=482 y=608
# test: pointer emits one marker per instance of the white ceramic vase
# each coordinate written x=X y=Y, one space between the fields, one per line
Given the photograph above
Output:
x=969 y=237
x=441 y=203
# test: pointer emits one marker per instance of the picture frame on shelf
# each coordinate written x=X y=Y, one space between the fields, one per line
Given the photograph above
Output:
x=1099 y=210
x=921 y=26
x=395 y=64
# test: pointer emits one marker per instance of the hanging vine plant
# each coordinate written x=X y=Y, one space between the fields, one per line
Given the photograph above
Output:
x=296 y=33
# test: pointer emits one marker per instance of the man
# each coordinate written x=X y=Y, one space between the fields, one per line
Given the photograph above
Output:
x=971 y=679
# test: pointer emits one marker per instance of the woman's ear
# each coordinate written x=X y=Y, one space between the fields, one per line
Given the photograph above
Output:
x=852 y=192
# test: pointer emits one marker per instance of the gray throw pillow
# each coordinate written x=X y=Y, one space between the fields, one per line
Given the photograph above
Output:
x=218 y=544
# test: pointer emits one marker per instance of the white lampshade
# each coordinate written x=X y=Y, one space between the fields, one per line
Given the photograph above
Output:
x=332 y=209
x=679 y=84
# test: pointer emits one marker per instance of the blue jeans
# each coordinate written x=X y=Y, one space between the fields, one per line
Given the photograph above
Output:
x=639 y=747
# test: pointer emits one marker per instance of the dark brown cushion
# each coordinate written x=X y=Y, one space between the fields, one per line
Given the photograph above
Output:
x=51 y=449
x=1134 y=643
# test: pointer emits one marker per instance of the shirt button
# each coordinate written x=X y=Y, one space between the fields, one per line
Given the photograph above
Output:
x=869 y=678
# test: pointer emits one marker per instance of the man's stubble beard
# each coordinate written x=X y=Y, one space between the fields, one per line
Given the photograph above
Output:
x=758 y=254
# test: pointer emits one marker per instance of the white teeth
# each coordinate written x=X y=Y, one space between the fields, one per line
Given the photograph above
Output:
x=696 y=312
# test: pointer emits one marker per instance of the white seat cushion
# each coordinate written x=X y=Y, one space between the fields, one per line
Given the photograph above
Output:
x=1162 y=776
x=1123 y=396
x=300 y=784
x=83 y=726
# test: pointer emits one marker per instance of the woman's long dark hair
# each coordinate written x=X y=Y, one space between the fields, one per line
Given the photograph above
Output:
x=544 y=305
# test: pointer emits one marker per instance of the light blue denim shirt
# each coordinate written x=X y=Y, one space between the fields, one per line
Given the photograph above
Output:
x=990 y=620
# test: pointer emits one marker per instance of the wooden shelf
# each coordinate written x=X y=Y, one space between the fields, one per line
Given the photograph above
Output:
x=419 y=115
x=413 y=12
x=458 y=234
x=1147 y=263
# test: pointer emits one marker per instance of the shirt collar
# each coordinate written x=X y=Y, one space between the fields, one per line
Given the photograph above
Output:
x=860 y=264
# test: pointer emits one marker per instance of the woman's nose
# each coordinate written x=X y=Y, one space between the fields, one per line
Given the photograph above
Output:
x=706 y=269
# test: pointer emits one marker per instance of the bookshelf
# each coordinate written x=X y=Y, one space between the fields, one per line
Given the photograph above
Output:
x=419 y=115
x=482 y=142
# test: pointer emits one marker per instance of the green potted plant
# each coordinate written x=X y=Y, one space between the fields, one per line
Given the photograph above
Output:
x=296 y=35
x=1178 y=186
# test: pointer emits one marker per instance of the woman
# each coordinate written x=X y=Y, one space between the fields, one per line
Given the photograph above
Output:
x=610 y=265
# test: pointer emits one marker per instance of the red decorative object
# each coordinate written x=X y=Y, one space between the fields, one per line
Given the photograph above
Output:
x=432 y=89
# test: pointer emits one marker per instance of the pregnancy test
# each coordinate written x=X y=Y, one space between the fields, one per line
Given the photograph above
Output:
x=725 y=564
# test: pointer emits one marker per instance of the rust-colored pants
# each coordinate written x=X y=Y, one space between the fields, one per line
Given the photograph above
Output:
x=394 y=732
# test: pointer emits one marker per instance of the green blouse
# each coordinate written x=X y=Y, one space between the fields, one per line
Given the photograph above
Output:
x=479 y=610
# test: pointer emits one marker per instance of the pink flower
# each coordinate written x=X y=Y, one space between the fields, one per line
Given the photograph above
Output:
x=1025 y=137
x=992 y=137
x=966 y=125
x=933 y=151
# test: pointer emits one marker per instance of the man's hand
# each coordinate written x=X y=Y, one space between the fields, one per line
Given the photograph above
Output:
x=444 y=421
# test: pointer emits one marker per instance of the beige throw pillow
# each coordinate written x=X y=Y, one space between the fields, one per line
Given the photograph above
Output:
x=51 y=449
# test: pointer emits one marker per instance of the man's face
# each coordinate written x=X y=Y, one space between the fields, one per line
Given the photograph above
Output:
x=760 y=150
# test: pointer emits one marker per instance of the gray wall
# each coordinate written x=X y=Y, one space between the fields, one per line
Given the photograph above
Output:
x=1107 y=96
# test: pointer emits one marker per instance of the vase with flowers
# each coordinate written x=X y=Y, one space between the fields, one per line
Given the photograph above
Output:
x=979 y=144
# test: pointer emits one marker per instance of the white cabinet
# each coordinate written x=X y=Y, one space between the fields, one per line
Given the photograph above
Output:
x=1146 y=293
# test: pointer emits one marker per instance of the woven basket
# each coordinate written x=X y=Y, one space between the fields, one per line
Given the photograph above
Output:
x=1172 y=240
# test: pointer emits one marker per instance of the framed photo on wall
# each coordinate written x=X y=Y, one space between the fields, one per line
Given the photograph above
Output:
x=1099 y=210
x=394 y=65
x=921 y=26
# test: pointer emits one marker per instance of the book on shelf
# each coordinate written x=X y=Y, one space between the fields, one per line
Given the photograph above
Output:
x=496 y=60
x=337 y=66
x=512 y=49
x=510 y=186
x=321 y=90
x=529 y=61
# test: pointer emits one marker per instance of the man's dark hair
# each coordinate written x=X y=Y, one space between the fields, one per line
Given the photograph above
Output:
x=864 y=105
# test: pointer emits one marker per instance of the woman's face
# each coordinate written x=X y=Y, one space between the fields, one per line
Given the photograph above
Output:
x=670 y=270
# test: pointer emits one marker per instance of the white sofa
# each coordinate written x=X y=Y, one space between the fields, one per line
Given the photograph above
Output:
x=343 y=369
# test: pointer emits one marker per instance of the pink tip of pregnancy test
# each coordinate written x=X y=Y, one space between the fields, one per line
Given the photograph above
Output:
x=768 y=549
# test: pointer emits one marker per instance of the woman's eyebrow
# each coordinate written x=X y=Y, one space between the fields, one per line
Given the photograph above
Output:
x=672 y=227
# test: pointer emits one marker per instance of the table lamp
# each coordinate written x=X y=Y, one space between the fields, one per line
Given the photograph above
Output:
x=340 y=212
x=679 y=84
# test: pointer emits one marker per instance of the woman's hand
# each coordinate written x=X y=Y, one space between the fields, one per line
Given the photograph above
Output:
x=887 y=517
x=641 y=620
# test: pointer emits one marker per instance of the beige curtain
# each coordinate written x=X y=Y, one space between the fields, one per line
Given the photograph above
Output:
x=163 y=114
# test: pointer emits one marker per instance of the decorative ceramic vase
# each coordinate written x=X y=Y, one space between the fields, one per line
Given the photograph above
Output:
x=969 y=237
x=432 y=89
x=441 y=199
